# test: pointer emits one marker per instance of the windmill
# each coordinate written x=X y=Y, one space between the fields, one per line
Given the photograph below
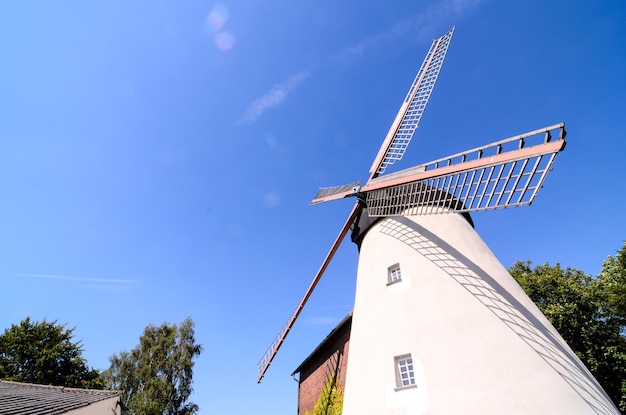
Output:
x=439 y=325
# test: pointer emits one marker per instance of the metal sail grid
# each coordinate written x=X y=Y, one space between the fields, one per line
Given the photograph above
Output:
x=424 y=82
x=328 y=193
x=509 y=183
x=265 y=361
x=269 y=355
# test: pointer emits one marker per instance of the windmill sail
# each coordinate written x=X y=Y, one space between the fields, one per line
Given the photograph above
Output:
x=403 y=128
x=487 y=177
x=410 y=114
x=392 y=149
x=267 y=358
x=325 y=194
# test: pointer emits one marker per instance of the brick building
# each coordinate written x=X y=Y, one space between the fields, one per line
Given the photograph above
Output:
x=328 y=360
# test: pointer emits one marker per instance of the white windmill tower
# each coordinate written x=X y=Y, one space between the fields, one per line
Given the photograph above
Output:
x=439 y=326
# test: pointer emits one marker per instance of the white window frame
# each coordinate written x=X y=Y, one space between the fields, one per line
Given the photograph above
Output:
x=405 y=372
x=394 y=274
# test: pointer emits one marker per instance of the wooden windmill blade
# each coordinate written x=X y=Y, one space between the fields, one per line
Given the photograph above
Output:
x=269 y=355
x=403 y=128
x=392 y=150
x=326 y=194
x=506 y=173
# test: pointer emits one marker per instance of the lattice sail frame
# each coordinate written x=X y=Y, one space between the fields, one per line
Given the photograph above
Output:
x=269 y=354
x=408 y=118
x=325 y=194
x=484 y=178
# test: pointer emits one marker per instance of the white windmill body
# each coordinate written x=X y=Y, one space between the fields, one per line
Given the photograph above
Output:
x=477 y=343
x=439 y=326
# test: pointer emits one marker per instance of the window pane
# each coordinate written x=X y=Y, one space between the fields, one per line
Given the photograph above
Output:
x=404 y=368
x=394 y=274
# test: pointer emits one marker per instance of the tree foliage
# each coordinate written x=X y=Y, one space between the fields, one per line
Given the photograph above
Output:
x=156 y=376
x=613 y=282
x=613 y=278
x=45 y=353
x=588 y=312
x=330 y=401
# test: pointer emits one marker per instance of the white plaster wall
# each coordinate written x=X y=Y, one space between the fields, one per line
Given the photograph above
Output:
x=479 y=344
x=104 y=407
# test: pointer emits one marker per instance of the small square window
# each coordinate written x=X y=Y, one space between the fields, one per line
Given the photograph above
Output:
x=405 y=376
x=393 y=274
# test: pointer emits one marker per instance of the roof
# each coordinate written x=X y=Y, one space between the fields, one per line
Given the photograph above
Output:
x=30 y=399
x=347 y=319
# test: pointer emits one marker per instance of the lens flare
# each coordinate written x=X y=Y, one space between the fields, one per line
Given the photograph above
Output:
x=217 y=18
x=272 y=199
x=215 y=22
x=271 y=140
x=224 y=41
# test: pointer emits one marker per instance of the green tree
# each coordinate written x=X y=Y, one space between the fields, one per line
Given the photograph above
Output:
x=330 y=401
x=579 y=307
x=613 y=279
x=156 y=376
x=45 y=353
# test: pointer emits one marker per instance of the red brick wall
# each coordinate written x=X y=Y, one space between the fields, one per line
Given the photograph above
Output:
x=331 y=357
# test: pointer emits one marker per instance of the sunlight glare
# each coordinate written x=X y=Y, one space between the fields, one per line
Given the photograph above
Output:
x=217 y=18
x=272 y=199
x=271 y=140
x=224 y=41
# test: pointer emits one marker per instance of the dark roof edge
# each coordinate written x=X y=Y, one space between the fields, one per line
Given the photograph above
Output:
x=326 y=339
x=364 y=222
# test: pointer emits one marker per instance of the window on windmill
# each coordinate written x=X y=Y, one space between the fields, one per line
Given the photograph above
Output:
x=405 y=376
x=393 y=274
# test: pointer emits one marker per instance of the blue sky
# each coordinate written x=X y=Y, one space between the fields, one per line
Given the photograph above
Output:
x=157 y=158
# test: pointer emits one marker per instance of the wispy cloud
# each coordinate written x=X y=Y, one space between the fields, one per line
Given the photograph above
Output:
x=80 y=279
x=272 y=98
x=321 y=321
x=419 y=26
